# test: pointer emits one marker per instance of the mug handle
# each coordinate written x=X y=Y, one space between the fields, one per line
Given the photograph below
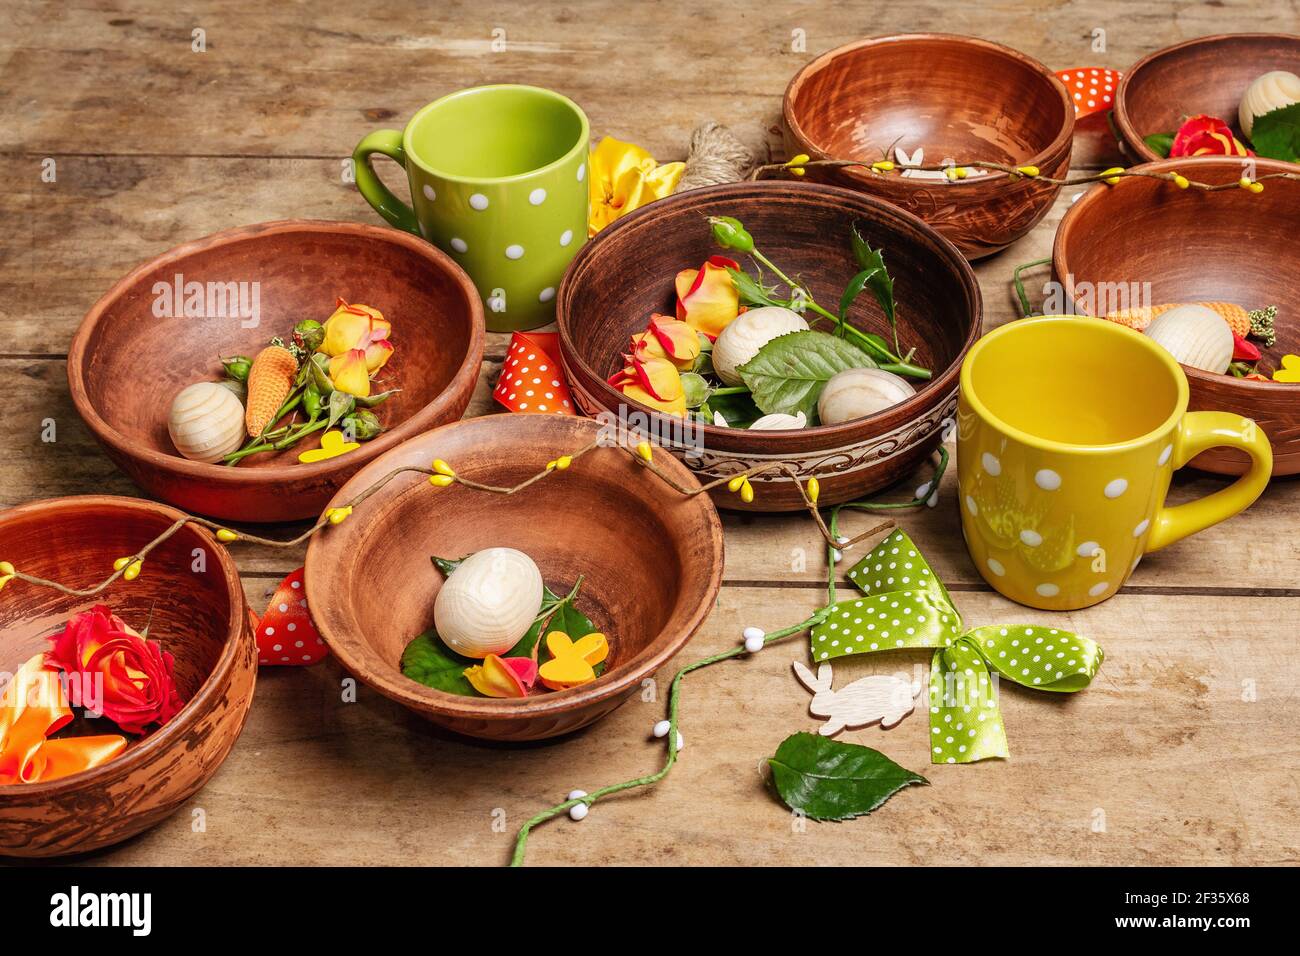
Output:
x=387 y=142
x=1197 y=432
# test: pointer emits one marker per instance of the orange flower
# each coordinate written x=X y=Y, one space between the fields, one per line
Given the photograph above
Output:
x=350 y=373
x=503 y=676
x=706 y=297
x=1206 y=136
x=139 y=688
x=650 y=374
x=358 y=327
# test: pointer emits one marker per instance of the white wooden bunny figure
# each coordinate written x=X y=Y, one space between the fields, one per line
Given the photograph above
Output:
x=865 y=701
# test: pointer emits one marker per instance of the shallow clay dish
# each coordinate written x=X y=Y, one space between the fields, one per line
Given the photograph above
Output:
x=958 y=98
x=199 y=617
x=126 y=364
x=1192 y=246
x=651 y=562
x=626 y=273
x=1206 y=75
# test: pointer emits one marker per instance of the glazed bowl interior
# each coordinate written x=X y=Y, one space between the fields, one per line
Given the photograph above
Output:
x=1144 y=241
x=626 y=274
x=196 y=615
x=1207 y=75
x=957 y=97
x=650 y=559
x=133 y=360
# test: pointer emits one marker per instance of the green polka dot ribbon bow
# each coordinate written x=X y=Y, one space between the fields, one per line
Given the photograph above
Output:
x=905 y=605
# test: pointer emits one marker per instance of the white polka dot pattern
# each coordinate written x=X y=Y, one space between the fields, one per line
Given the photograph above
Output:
x=903 y=604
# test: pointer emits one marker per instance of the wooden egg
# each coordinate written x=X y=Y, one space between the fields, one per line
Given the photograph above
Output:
x=206 y=422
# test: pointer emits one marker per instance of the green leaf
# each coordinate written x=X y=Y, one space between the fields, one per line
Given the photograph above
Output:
x=1160 y=143
x=751 y=291
x=738 y=409
x=789 y=372
x=829 y=780
x=1276 y=134
x=874 y=276
x=340 y=404
x=447 y=565
x=428 y=661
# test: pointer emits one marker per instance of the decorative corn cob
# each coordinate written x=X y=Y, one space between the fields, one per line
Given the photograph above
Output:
x=270 y=379
x=1238 y=319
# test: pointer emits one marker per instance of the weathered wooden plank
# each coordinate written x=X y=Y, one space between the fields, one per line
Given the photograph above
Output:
x=1179 y=751
x=640 y=71
x=102 y=216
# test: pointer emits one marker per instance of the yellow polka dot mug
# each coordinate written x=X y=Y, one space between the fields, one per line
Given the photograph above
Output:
x=498 y=182
x=1068 y=431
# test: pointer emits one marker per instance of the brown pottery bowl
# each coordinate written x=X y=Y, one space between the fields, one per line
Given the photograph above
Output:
x=1206 y=75
x=197 y=616
x=650 y=558
x=626 y=273
x=1194 y=246
x=127 y=363
x=958 y=98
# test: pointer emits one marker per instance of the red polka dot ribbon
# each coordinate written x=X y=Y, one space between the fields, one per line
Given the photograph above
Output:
x=1091 y=88
x=285 y=633
x=531 y=379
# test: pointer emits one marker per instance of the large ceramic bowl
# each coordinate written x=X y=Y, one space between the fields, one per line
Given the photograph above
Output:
x=1149 y=239
x=957 y=98
x=128 y=361
x=626 y=273
x=650 y=558
x=1205 y=75
x=198 y=616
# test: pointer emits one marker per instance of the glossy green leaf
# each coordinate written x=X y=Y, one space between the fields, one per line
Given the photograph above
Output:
x=1160 y=143
x=789 y=372
x=1276 y=134
x=828 y=780
x=738 y=409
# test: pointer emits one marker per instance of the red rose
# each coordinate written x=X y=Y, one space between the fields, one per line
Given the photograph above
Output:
x=115 y=671
x=1206 y=136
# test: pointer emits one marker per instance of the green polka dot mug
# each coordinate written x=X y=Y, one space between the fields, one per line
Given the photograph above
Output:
x=498 y=181
x=1068 y=432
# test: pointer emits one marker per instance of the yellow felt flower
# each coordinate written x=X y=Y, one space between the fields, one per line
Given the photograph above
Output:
x=625 y=177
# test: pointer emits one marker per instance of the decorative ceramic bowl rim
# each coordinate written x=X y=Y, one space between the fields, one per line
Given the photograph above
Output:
x=579 y=146
x=1099 y=194
x=846 y=433
x=176 y=728
x=1063 y=140
x=218 y=474
x=416 y=696
x=1132 y=138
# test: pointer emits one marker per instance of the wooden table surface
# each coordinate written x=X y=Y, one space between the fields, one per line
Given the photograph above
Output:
x=1184 y=748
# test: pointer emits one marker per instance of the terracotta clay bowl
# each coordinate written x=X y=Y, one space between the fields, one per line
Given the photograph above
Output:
x=198 y=616
x=626 y=273
x=651 y=561
x=1206 y=75
x=958 y=98
x=1194 y=246
x=127 y=363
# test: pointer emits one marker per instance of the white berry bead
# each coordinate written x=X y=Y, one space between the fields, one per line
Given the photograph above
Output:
x=578 y=812
x=577 y=794
x=836 y=555
x=841 y=540
x=681 y=741
x=754 y=643
x=751 y=632
x=662 y=728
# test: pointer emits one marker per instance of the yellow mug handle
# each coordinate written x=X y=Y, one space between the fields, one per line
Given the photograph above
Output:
x=1197 y=432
